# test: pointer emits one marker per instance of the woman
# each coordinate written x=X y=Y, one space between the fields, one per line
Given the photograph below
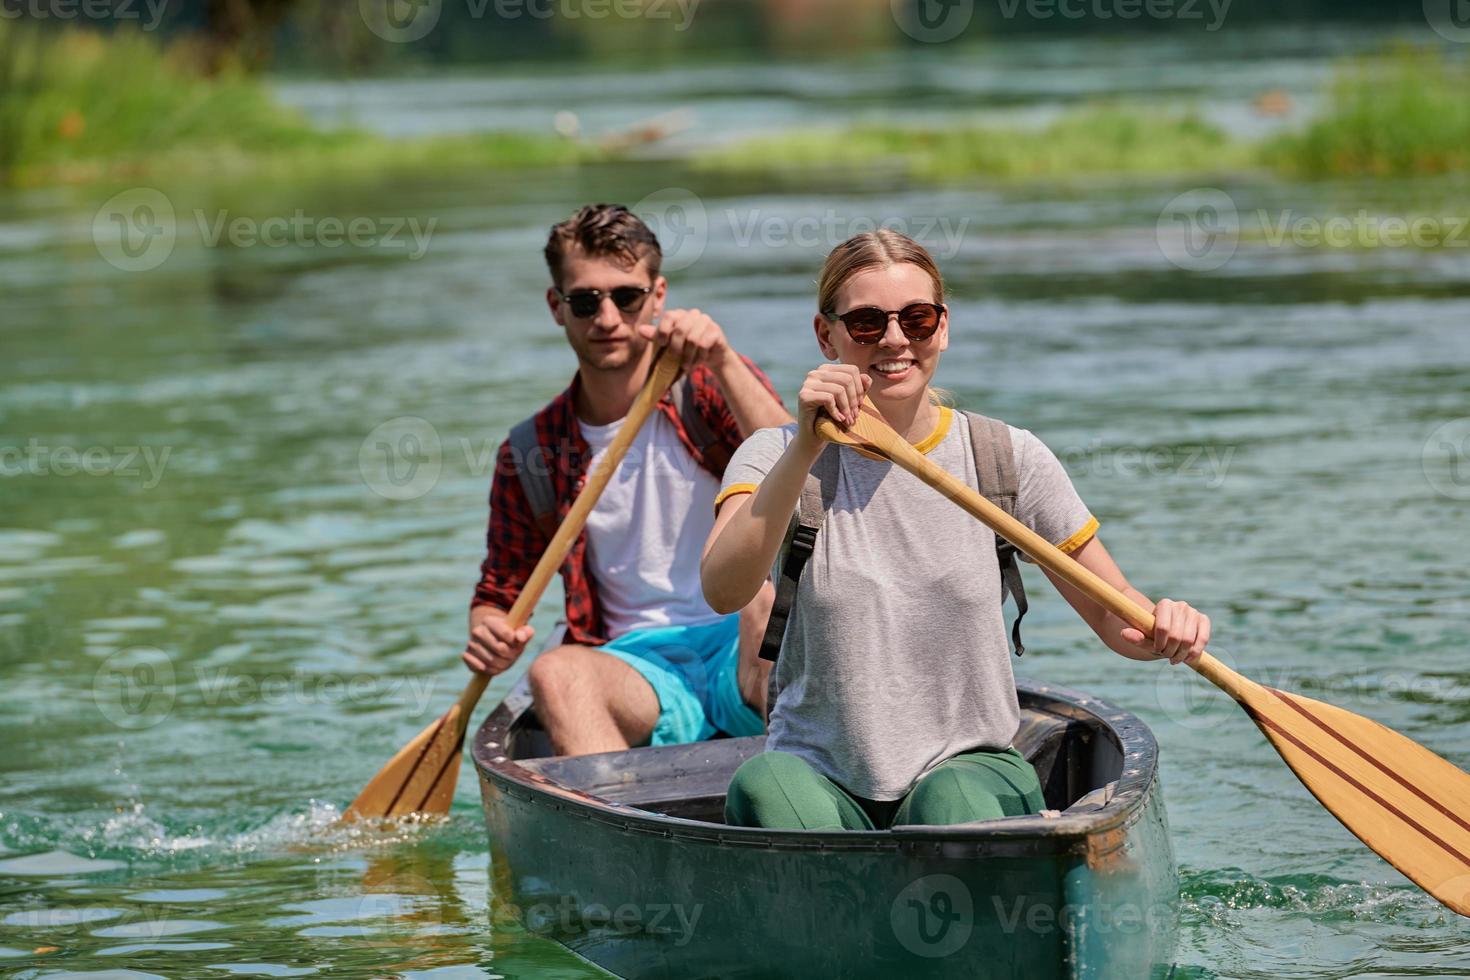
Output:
x=896 y=703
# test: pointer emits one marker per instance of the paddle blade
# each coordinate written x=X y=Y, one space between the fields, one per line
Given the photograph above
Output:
x=420 y=778
x=1396 y=796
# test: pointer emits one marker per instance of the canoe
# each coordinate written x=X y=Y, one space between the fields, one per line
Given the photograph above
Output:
x=623 y=858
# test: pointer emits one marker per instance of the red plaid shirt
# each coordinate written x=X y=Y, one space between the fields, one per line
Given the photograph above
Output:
x=514 y=541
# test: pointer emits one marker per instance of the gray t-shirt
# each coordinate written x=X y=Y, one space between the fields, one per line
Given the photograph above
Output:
x=896 y=655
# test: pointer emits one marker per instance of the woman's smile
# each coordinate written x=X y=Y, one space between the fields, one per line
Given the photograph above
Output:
x=893 y=368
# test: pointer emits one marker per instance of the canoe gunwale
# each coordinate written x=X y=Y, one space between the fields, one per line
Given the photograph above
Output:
x=1065 y=833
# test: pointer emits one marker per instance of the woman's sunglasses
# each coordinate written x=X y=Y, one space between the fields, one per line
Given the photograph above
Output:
x=867 y=324
x=584 y=302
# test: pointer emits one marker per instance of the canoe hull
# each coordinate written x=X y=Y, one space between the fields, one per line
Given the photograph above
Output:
x=649 y=896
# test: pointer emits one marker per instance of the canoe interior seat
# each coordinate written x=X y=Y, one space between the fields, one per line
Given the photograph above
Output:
x=1074 y=764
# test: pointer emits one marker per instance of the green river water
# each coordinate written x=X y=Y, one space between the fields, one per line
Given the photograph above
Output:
x=243 y=500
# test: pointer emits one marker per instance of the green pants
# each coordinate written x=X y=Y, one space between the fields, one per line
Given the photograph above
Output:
x=780 y=790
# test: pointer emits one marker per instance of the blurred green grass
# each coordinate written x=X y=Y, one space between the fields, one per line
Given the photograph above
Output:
x=1101 y=140
x=1402 y=115
x=1405 y=114
x=78 y=106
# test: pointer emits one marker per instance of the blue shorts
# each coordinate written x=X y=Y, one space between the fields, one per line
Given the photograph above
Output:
x=693 y=671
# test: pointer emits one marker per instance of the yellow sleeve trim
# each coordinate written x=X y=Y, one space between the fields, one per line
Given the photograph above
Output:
x=1084 y=534
x=732 y=490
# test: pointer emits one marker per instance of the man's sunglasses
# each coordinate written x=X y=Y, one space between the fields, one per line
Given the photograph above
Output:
x=867 y=324
x=585 y=302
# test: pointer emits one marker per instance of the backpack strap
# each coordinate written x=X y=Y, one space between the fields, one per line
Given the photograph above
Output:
x=535 y=475
x=697 y=428
x=817 y=494
x=995 y=466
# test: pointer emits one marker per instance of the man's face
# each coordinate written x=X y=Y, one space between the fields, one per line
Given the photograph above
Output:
x=608 y=339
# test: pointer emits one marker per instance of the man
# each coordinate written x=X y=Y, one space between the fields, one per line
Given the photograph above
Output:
x=646 y=661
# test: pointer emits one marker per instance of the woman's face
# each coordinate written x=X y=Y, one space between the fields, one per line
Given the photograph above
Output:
x=900 y=368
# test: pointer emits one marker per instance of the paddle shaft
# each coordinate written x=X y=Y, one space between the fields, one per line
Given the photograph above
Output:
x=1040 y=550
x=665 y=370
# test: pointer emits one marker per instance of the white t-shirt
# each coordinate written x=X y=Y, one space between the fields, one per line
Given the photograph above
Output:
x=646 y=534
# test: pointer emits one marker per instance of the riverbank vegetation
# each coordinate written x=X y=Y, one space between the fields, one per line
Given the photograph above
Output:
x=79 y=105
x=1403 y=115
x=1099 y=140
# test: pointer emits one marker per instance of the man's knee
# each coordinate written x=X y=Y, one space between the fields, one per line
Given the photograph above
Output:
x=555 y=670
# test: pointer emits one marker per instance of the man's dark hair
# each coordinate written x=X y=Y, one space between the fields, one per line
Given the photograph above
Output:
x=603 y=230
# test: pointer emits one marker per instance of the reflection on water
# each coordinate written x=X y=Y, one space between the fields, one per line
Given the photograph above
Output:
x=223 y=604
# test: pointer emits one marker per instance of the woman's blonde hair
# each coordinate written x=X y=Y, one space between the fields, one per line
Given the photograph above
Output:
x=872 y=250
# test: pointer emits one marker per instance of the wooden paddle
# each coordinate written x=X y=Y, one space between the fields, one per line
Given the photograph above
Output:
x=422 y=776
x=1403 y=801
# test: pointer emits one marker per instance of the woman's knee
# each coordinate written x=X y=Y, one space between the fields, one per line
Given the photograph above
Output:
x=943 y=798
x=963 y=790
x=763 y=791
